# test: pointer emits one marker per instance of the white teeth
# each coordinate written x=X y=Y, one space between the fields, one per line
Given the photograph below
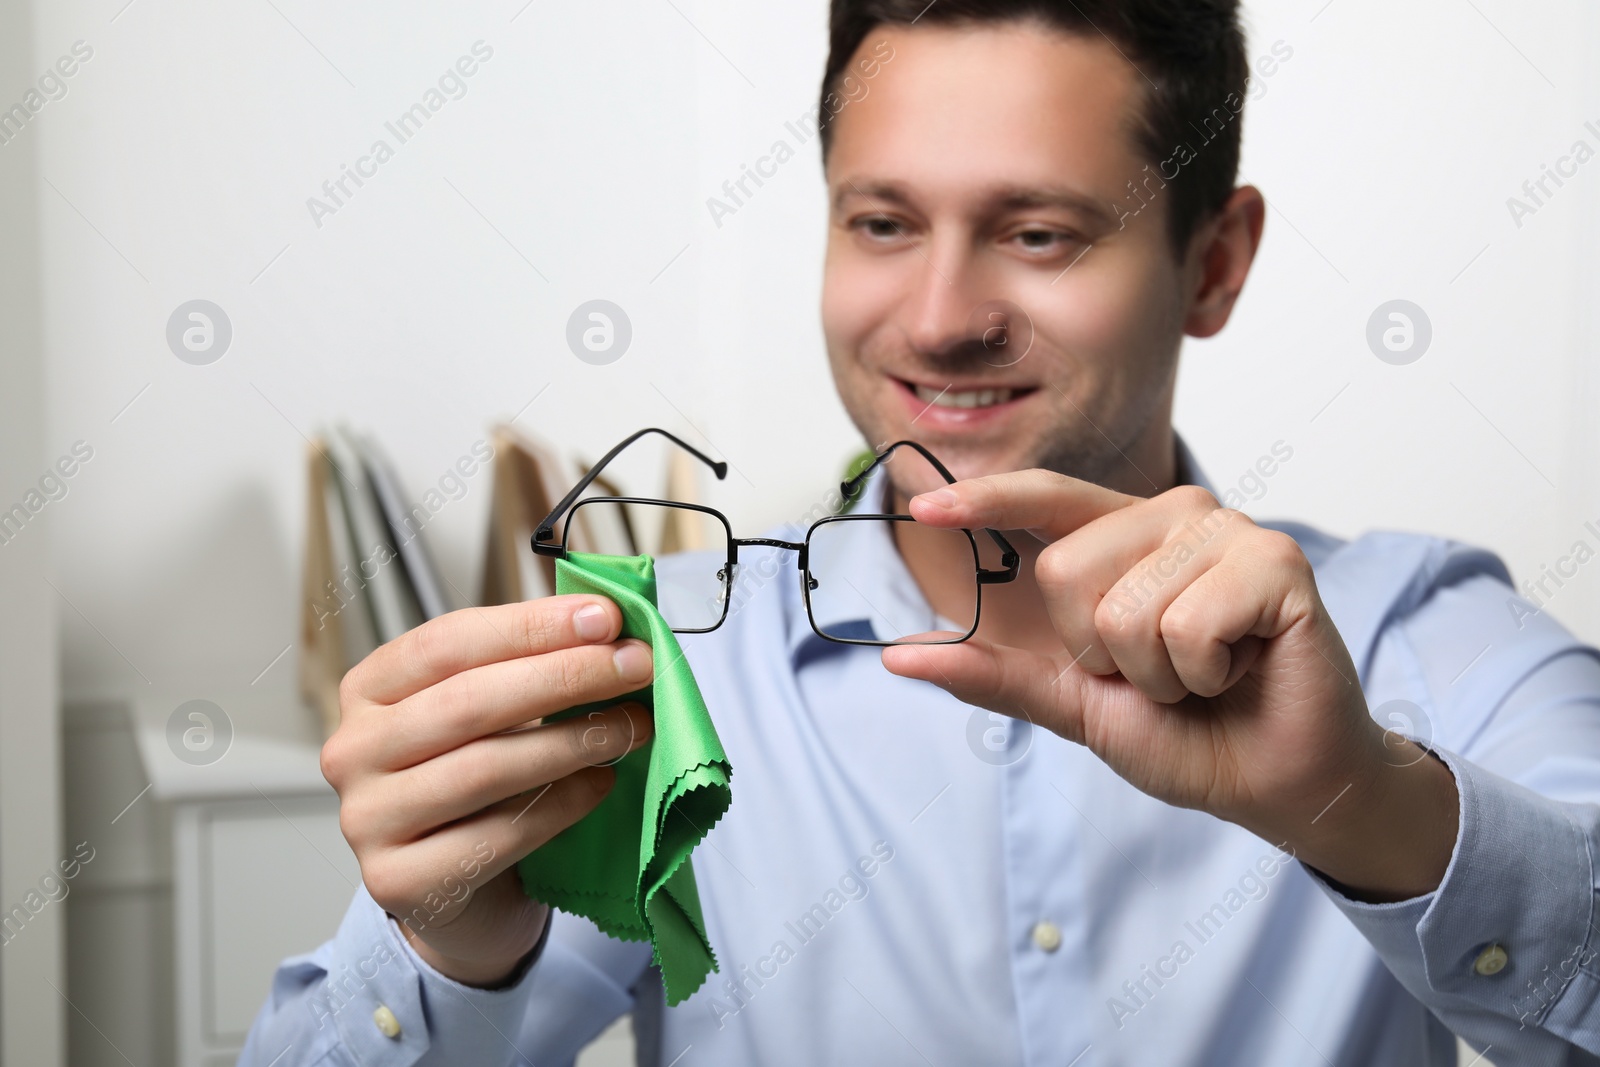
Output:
x=974 y=398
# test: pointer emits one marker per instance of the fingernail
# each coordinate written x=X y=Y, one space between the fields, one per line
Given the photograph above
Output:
x=940 y=498
x=633 y=662
x=640 y=714
x=591 y=622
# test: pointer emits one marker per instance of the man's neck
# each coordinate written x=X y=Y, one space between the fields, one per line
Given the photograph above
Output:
x=1149 y=466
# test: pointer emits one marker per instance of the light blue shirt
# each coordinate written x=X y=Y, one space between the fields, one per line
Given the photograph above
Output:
x=906 y=879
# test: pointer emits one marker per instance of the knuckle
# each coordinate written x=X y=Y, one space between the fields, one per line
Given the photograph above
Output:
x=1057 y=569
x=334 y=760
x=477 y=775
x=1188 y=629
x=1116 y=615
x=981 y=492
x=1193 y=498
x=1278 y=549
x=566 y=678
x=350 y=696
x=355 y=822
x=389 y=883
x=431 y=644
x=452 y=702
x=1036 y=483
x=1183 y=625
x=539 y=625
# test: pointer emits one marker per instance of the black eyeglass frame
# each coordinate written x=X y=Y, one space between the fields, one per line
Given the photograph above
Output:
x=544 y=544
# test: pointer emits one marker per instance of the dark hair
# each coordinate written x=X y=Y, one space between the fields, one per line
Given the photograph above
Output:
x=1191 y=54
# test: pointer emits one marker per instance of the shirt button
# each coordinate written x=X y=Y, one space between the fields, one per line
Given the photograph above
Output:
x=385 y=1021
x=1047 y=935
x=1491 y=960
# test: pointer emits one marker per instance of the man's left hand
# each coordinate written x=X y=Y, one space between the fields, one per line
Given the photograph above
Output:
x=1196 y=659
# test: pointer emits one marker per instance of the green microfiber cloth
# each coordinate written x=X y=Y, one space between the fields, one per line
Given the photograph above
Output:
x=624 y=866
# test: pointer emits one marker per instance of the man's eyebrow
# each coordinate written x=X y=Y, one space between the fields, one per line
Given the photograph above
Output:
x=1023 y=197
x=874 y=191
x=1016 y=198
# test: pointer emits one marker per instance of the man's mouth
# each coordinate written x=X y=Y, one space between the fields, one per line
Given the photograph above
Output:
x=967 y=398
x=953 y=405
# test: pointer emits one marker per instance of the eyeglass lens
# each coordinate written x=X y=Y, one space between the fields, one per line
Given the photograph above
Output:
x=691 y=593
x=852 y=598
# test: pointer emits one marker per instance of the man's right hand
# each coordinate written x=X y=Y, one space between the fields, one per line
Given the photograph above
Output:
x=443 y=783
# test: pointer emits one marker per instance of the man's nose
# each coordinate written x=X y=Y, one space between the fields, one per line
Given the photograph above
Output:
x=947 y=293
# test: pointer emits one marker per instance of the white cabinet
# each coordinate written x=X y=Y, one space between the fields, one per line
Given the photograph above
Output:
x=254 y=881
x=260 y=870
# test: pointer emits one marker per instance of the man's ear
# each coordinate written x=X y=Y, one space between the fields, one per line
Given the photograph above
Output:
x=1220 y=258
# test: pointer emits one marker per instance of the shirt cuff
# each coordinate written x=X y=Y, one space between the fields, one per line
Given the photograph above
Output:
x=1520 y=878
x=469 y=1023
x=391 y=1008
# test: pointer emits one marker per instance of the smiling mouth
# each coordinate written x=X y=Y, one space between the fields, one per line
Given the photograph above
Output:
x=949 y=397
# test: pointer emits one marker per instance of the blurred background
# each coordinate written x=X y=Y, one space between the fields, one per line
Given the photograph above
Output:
x=194 y=153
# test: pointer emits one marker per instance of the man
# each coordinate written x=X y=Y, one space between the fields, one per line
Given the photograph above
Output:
x=1191 y=835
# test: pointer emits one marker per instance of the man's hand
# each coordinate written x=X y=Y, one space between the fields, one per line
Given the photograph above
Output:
x=1197 y=660
x=443 y=784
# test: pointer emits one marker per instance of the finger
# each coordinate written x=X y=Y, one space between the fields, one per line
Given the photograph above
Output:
x=408 y=805
x=402 y=878
x=1217 y=627
x=1042 y=502
x=499 y=696
x=1115 y=565
x=1135 y=638
x=1013 y=681
x=473 y=637
x=1132 y=619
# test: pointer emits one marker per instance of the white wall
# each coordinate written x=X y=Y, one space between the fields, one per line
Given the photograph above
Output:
x=577 y=166
x=1390 y=142
x=193 y=138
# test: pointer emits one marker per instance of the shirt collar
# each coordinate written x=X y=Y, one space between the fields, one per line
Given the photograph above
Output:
x=888 y=583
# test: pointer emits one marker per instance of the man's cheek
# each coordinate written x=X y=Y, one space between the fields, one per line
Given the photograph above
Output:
x=1122 y=322
x=1070 y=335
x=848 y=318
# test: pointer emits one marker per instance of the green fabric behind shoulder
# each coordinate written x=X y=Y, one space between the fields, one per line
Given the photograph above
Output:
x=625 y=865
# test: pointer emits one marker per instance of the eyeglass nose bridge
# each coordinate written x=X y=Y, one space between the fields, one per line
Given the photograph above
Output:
x=771 y=542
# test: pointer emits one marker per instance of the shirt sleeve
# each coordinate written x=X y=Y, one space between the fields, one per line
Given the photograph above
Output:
x=1505 y=951
x=366 y=999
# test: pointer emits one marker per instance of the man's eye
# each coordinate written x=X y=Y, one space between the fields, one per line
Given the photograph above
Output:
x=880 y=227
x=1042 y=240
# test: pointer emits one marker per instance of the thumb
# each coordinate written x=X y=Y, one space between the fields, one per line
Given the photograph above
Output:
x=1047 y=690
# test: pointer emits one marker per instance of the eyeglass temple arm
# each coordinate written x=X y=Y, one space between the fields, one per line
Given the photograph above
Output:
x=546 y=529
x=1010 y=562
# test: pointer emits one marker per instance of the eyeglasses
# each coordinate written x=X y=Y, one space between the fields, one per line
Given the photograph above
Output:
x=695 y=592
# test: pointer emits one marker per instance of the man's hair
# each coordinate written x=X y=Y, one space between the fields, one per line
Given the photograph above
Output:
x=1190 y=53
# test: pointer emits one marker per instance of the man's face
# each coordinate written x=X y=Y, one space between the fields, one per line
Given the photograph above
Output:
x=979 y=294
